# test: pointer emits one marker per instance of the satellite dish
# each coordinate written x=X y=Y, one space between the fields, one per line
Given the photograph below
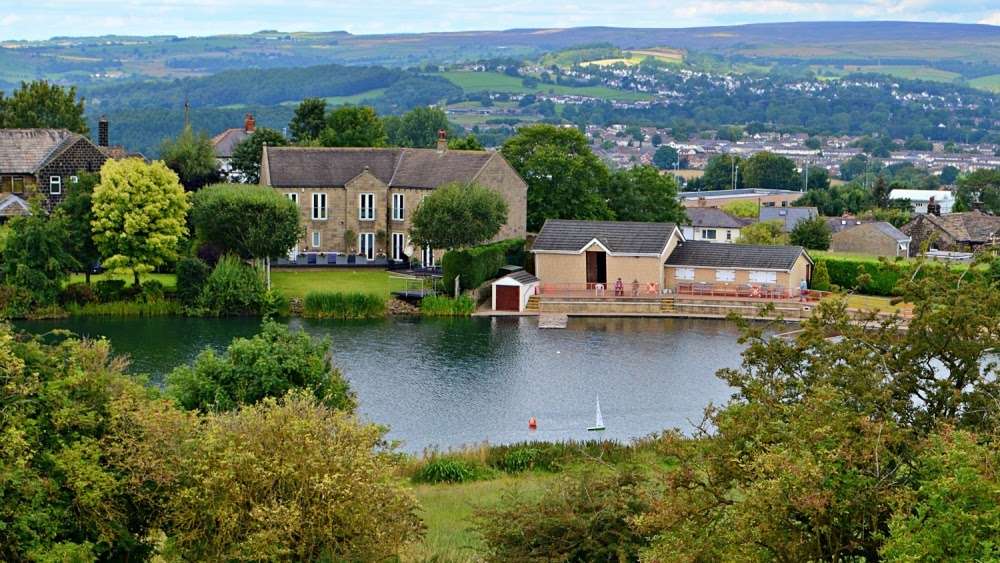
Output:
x=408 y=249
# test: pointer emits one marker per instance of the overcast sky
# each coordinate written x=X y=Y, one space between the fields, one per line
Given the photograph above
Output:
x=41 y=19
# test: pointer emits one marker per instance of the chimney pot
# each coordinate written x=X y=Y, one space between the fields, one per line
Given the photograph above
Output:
x=249 y=124
x=102 y=131
x=442 y=143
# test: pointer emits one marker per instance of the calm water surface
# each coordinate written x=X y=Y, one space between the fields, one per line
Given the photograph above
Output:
x=449 y=382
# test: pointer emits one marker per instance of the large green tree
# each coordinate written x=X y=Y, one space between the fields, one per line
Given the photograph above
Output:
x=769 y=170
x=763 y=232
x=982 y=187
x=353 y=126
x=564 y=176
x=417 y=128
x=77 y=207
x=308 y=121
x=641 y=193
x=458 y=215
x=42 y=104
x=813 y=234
x=191 y=156
x=140 y=215
x=249 y=151
x=665 y=157
x=720 y=170
x=251 y=221
x=38 y=255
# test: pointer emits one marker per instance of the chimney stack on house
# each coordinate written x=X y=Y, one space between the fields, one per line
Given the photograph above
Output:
x=442 y=144
x=102 y=132
x=933 y=208
x=249 y=124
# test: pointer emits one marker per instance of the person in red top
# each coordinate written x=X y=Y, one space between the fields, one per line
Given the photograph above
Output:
x=619 y=288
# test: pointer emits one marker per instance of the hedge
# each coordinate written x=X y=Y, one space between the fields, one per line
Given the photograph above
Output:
x=481 y=263
x=881 y=277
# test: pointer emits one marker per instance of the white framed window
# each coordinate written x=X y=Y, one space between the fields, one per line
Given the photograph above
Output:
x=397 y=207
x=366 y=207
x=725 y=275
x=366 y=245
x=686 y=274
x=319 y=207
x=427 y=257
x=708 y=234
x=294 y=197
x=398 y=242
x=55 y=185
x=74 y=179
x=764 y=277
x=317 y=239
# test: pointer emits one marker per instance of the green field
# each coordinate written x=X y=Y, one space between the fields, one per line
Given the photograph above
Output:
x=344 y=100
x=906 y=72
x=991 y=83
x=496 y=82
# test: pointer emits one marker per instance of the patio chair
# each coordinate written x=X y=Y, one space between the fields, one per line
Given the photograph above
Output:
x=311 y=260
x=331 y=258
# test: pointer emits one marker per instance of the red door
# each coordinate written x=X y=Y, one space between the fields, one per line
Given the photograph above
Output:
x=508 y=298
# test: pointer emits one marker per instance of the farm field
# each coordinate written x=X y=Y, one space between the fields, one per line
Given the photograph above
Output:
x=908 y=72
x=991 y=83
x=496 y=82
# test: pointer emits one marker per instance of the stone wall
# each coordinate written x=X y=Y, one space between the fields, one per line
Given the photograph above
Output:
x=81 y=156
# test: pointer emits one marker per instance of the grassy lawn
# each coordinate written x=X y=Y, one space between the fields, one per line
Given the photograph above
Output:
x=875 y=303
x=847 y=256
x=297 y=283
x=447 y=511
x=168 y=280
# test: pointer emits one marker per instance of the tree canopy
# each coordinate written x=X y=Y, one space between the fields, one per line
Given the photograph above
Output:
x=249 y=151
x=769 y=170
x=248 y=220
x=665 y=157
x=763 y=232
x=979 y=187
x=43 y=104
x=77 y=208
x=38 y=254
x=140 y=215
x=641 y=193
x=308 y=121
x=353 y=126
x=417 y=128
x=458 y=215
x=813 y=234
x=191 y=156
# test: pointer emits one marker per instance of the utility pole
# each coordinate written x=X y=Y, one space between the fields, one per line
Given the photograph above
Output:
x=187 y=114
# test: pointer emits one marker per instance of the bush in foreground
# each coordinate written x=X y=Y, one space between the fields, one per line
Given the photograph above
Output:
x=331 y=305
x=438 y=306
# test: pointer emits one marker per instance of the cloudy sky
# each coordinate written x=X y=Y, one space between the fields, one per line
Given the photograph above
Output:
x=41 y=19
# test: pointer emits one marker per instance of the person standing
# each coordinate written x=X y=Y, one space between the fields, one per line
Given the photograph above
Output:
x=619 y=288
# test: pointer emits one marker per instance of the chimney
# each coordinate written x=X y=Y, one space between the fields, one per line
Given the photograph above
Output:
x=442 y=140
x=933 y=208
x=249 y=124
x=102 y=132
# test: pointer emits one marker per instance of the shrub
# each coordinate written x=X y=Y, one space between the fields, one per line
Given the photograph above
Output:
x=449 y=470
x=556 y=456
x=331 y=305
x=437 y=306
x=869 y=278
x=233 y=288
x=269 y=364
x=192 y=273
x=78 y=293
x=478 y=264
x=518 y=460
x=821 y=277
x=160 y=308
x=151 y=291
x=110 y=290
x=15 y=302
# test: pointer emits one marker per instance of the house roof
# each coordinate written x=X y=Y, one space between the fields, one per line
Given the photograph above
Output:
x=619 y=237
x=890 y=231
x=922 y=195
x=789 y=216
x=224 y=143
x=971 y=226
x=407 y=168
x=712 y=255
x=838 y=224
x=741 y=192
x=25 y=151
x=712 y=217
x=12 y=205
x=522 y=277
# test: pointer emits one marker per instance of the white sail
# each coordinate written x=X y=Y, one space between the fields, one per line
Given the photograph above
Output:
x=599 y=423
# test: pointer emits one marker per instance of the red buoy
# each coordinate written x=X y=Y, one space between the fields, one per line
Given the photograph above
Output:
x=532 y=423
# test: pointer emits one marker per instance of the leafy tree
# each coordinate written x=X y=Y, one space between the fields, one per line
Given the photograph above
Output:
x=763 y=232
x=466 y=143
x=248 y=152
x=284 y=479
x=909 y=176
x=564 y=177
x=656 y=140
x=61 y=499
x=641 y=193
x=949 y=174
x=665 y=157
x=77 y=208
x=821 y=277
x=235 y=288
x=837 y=200
x=813 y=143
x=813 y=234
x=458 y=215
x=880 y=192
x=769 y=170
x=191 y=156
x=251 y=221
x=42 y=104
x=269 y=364
x=353 y=126
x=857 y=166
x=309 y=120
x=140 y=214
x=742 y=208
x=38 y=256
x=917 y=142
x=417 y=128
x=719 y=172
x=817 y=178
x=981 y=186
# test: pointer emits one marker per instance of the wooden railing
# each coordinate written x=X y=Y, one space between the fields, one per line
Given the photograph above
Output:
x=748 y=291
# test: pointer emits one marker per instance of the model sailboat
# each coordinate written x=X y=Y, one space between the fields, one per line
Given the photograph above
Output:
x=599 y=423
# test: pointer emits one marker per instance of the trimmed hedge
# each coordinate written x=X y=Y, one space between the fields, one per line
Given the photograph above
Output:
x=478 y=264
x=877 y=277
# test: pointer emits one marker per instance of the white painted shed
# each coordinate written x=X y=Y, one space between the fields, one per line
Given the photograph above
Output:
x=511 y=292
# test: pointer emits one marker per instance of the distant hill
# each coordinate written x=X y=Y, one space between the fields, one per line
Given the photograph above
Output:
x=100 y=59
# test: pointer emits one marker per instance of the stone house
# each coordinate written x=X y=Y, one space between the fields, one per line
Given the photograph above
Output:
x=955 y=232
x=876 y=238
x=224 y=143
x=361 y=200
x=45 y=162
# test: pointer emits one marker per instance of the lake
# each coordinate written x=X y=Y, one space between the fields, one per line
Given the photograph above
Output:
x=451 y=382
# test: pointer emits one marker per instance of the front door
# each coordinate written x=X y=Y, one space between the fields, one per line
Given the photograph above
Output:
x=397 y=246
x=597 y=268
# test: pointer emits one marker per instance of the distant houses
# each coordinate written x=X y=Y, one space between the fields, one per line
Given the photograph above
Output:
x=761 y=197
x=713 y=225
x=953 y=232
x=361 y=200
x=789 y=217
x=923 y=201
x=225 y=142
x=876 y=238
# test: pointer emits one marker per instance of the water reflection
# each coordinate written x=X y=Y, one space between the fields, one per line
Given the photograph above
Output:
x=448 y=382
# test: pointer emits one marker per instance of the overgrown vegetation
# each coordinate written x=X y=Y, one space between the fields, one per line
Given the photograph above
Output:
x=438 y=306
x=336 y=305
x=480 y=263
